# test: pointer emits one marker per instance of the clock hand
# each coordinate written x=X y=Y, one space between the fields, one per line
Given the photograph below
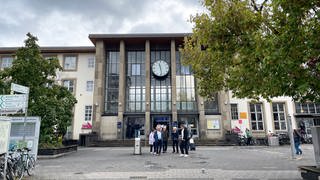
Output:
x=160 y=69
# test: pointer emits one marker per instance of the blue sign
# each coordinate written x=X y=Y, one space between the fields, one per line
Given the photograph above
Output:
x=174 y=124
x=161 y=119
x=119 y=125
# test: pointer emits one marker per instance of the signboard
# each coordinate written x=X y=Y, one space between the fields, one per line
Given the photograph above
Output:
x=25 y=135
x=86 y=125
x=19 y=88
x=119 y=125
x=243 y=115
x=213 y=124
x=4 y=134
x=13 y=103
x=240 y=121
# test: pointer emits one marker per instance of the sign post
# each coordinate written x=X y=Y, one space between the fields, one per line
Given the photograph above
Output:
x=24 y=90
x=289 y=124
x=5 y=127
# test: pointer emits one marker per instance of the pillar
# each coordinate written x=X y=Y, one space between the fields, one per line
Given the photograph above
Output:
x=122 y=89
x=99 y=84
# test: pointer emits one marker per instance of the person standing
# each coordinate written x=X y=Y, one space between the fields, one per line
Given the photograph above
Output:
x=297 y=141
x=175 y=140
x=165 y=139
x=152 y=141
x=184 y=141
x=249 y=136
x=158 y=140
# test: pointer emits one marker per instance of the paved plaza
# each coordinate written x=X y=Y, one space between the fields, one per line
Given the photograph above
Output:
x=217 y=162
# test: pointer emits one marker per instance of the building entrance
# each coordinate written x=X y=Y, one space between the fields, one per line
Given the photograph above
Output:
x=163 y=120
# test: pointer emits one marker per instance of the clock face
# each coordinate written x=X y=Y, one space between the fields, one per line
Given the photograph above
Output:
x=160 y=68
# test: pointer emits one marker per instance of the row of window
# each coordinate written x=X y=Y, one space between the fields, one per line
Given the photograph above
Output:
x=69 y=61
x=257 y=118
x=70 y=85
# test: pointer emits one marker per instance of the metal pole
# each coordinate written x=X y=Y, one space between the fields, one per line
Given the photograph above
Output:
x=289 y=123
x=25 y=117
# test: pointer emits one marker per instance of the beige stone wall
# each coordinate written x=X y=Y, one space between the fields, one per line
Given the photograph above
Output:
x=108 y=127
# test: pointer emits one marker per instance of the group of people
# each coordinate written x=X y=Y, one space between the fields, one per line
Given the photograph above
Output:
x=158 y=140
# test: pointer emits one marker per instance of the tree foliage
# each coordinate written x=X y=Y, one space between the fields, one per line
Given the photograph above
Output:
x=257 y=48
x=52 y=102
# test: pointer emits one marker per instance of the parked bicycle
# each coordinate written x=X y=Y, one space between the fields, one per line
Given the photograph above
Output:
x=19 y=162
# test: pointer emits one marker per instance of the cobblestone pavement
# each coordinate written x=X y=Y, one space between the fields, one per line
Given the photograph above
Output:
x=222 y=162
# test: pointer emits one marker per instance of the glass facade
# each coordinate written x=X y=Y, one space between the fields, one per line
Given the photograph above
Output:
x=191 y=121
x=135 y=81
x=112 y=81
x=160 y=87
x=185 y=82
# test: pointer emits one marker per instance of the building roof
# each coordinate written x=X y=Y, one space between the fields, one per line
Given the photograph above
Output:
x=138 y=36
x=52 y=49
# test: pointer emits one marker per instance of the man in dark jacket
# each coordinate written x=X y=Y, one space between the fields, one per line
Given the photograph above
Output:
x=165 y=134
x=184 y=141
x=175 y=140
x=158 y=136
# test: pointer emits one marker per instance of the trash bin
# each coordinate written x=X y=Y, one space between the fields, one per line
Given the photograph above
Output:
x=137 y=146
x=273 y=141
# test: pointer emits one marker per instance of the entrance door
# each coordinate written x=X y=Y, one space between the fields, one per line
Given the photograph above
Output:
x=162 y=120
x=135 y=127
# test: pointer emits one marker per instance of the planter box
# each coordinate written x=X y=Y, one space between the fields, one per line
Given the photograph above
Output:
x=57 y=151
x=310 y=172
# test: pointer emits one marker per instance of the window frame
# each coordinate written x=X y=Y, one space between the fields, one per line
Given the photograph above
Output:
x=92 y=86
x=278 y=114
x=6 y=56
x=74 y=84
x=88 y=114
x=64 y=61
x=256 y=117
x=233 y=113
x=91 y=61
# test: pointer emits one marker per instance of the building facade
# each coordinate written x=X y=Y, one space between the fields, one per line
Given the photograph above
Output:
x=126 y=84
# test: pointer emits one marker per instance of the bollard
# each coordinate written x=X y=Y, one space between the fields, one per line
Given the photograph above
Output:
x=315 y=130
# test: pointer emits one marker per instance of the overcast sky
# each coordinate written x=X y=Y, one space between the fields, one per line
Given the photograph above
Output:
x=69 y=22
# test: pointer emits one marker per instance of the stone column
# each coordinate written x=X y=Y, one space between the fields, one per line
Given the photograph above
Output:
x=147 y=123
x=173 y=82
x=202 y=118
x=224 y=106
x=99 y=84
x=122 y=88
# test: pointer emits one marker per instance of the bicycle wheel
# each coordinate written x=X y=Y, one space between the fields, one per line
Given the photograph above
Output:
x=19 y=169
x=31 y=164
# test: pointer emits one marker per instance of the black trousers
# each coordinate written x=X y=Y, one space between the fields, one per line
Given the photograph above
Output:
x=165 y=146
x=158 y=146
x=184 y=147
x=151 y=147
x=175 y=146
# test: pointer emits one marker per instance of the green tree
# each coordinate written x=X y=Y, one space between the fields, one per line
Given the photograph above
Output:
x=257 y=48
x=52 y=102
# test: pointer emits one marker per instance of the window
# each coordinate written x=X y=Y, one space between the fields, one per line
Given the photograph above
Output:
x=256 y=117
x=88 y=113
x=70 y=62
x=135 y=79
x=112 y=81
x=69 y=84
x=91 y=62
x=90 y=86
x=160 y=88
x=211 y=105
x=307 y=108
x=234 y=112
x=185 y=81
x=279 y=116
x=6 y=62
x=135 y=69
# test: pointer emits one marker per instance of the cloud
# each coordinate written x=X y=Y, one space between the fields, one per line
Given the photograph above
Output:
x=69 y=22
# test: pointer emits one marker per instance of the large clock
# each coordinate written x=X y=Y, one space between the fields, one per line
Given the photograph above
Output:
x=160 y=68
